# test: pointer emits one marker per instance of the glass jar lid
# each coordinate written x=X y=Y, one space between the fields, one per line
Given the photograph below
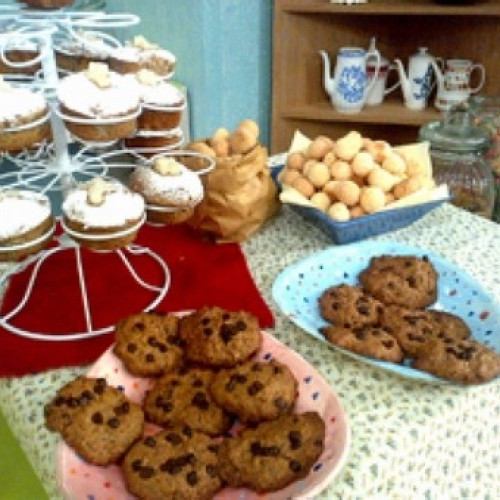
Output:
x=456 y=132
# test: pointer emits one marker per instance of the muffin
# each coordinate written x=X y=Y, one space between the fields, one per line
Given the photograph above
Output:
x=20 y=53
x=24 y=118
x=102 y=215
x=98 y=105
x=171 y=190
x=26 y=223
x=150 y=143
x=142 y=54
x=162 y=103
x=75 y=53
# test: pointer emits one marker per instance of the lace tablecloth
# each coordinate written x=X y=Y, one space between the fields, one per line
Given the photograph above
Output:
x=409 y=440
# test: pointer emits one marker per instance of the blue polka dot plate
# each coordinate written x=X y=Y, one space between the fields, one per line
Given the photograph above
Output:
x=80 y=480
x=296 y=291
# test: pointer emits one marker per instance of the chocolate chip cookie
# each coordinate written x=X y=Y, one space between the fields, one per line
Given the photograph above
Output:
x=414 y=328
x=255 y=391
x=273 y=454
x=404 y=280
x=371 y=341
x=103 y=430
x=466 y=361
x=182 y=397
x=177 y=463
x=71 y=398
x=148 y=344
x=348 y=306
x=216 y=337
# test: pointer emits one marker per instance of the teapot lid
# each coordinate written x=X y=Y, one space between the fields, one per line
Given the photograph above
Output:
x=456 y=132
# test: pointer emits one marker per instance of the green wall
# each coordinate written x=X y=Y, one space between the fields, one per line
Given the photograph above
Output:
x=223 y=49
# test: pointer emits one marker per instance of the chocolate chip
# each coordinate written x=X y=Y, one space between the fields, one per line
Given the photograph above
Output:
x=295 y=438
x=100 y=385
x=173 y=438
x=192 y=478
x=197 y=383
x=200 y=401
x=187 y=431
x=162 y=347
x=225 y=316
x=205 y=321
x=295 y=466
x=152 y=341
x=388 y=344
x=139 y=326
x=256 y=367
x=114 y=423
x=150 y=358
x=73 y=402
x=59 y=401
x=241 y=326
x=281 y=404
x=131 y=348
x=255 y=387
x=214 y=448
x=171 y=466
x=264 y=451
x=318 y=443
x=212 y=470
x=207 y=331
x=150 y=442
x=136 y=464
x=123 y=409
x=227 y=332
x=146 y=472
x=97 y=418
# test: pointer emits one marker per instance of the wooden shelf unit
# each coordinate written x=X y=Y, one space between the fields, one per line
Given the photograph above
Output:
x=303 y=27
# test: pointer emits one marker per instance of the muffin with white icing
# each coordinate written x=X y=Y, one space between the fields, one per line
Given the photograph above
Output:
x=19 y=53
x=24 y=118
x=99 y=105
x=162 y=103
x=152 y=142
x=171 y=190
x=142 y=54
x=26 y=223
x=102 y=214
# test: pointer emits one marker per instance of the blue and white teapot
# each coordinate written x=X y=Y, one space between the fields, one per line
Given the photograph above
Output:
x=349 y=88
x=417 y=85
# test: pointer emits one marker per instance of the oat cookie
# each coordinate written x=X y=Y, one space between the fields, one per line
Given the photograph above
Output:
x=371 y=341
x=414 y=328
x=148 y=344
x=182 y=397
x=404 y=280
x=348 y=306
x=103 y=430
x=274 y=453
x=176 y=463
x=216 y=337
x=255 y=391
x=71 y=398
x=466 y=361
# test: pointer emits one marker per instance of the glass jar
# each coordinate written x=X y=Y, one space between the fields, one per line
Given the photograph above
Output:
x=457 y=149
x=486 y=111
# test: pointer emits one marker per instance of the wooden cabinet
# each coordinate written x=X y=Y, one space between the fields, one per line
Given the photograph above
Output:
x=302 y=27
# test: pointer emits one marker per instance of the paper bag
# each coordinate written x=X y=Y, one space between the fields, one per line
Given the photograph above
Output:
x=240 y=196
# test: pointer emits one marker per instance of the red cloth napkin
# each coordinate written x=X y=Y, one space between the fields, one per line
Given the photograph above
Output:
x=202 y=273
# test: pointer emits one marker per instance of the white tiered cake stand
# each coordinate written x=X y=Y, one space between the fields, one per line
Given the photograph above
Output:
x=59 y=165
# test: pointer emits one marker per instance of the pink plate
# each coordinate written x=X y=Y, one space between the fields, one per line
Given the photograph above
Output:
x=82 y=481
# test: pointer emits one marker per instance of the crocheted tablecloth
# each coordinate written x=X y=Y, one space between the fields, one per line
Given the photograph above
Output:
x=409 y=439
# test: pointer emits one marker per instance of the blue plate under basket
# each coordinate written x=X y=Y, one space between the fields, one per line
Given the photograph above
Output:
x=362 y=227
x=296 y=291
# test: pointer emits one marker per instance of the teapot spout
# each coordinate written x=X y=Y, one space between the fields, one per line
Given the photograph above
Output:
x=328 y=80
x=405 y=82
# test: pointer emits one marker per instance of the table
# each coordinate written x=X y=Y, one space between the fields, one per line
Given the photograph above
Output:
x=409 y=439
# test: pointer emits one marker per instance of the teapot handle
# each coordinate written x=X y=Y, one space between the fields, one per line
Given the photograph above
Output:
x=440 y=64
x=396 y=85
x=479 y=86
x=373 y=53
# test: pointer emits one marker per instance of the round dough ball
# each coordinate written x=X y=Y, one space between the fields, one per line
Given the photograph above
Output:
x=318 y=148
x=371 y=199
x=363 y=163
x=340 y=170
x=347 y=192
x=415 y=167
x=321 y=201
x=329 y=158
x=381 y=178
x=220 y=134
x=378 y=149
x=329 y=188
x=289 y=175
x=250 y=126
x=318 y=174
x=295 y=160
x=303 y=186
x=356 y=211
x=394 y=163
x=339 y=212
x=307 y=166
x=346 y=147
